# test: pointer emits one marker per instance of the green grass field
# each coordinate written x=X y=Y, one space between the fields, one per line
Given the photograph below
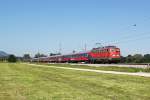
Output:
x=25 y=82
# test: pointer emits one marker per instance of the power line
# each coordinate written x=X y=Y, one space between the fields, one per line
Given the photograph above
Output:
x=133 y=39
x=60 y=47
x=129 y=38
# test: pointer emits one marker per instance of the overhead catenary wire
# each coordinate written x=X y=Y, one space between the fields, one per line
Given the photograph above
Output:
x=129 y=38
x=133 y=39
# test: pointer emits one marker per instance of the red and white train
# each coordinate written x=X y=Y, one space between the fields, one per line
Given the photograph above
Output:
x=107 y=54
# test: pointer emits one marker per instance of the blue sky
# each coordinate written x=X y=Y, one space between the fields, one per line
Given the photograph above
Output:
x=29 y=26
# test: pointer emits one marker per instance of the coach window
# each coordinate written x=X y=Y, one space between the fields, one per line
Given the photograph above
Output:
x=86 y=55
x=77 y=56
x=83 y=55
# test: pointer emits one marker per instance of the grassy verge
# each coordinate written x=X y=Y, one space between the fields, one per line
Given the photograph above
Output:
x=105 y=68
x=25 y=82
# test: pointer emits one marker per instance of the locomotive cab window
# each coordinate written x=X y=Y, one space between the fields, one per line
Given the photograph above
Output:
x=112 y=50
x=117 y=50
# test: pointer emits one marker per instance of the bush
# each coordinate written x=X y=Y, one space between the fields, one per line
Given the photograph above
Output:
x=12 y=59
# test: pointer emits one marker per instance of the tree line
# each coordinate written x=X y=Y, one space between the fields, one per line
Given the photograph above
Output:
x=137 y=58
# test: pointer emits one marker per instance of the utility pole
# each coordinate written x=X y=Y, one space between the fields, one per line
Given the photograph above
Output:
x=85 y=47
x=60 y=47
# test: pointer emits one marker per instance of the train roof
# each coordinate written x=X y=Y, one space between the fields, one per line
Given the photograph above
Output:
x=110 y=47
x=105 y=47
x=64 y=54
x=76 y=53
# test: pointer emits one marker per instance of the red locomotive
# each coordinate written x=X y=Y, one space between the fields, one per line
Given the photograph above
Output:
x=107 y=54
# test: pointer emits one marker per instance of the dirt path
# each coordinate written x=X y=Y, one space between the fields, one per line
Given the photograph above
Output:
x=118 y=65
x=97 y=71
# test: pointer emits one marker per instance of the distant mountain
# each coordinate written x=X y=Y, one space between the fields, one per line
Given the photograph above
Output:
x=3 y=54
